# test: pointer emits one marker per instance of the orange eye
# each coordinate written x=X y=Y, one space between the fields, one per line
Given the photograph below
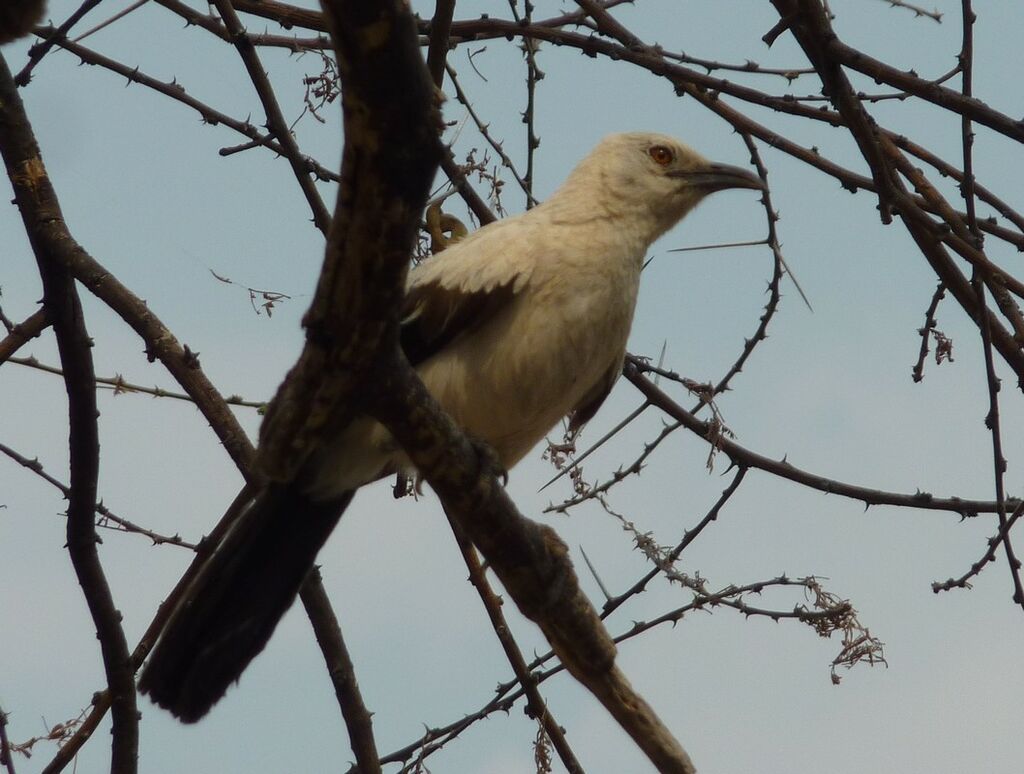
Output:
x=662 y=156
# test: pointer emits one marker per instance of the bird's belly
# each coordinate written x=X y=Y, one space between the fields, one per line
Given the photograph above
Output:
x=511 y=389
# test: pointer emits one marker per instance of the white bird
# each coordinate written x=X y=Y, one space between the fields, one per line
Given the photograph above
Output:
x=511 y=329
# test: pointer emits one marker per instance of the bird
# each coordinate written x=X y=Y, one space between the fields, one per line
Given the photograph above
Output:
x=512 y=328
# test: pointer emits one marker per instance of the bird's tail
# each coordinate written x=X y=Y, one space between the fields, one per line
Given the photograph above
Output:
x=230 y=610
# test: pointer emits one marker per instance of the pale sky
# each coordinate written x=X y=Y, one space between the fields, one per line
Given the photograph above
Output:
x=145 y=191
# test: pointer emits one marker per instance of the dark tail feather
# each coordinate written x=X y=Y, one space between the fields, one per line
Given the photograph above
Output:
x=230 y=610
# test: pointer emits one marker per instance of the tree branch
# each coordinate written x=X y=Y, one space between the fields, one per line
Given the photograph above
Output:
x=358 y=719
x=783 y=469
x=41 y=215
x=22 y=333
x=275 y=118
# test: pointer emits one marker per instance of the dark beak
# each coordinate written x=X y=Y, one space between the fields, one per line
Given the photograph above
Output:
x=718 y=177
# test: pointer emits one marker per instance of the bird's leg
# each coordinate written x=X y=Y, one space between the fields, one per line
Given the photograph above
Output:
x=405 y=486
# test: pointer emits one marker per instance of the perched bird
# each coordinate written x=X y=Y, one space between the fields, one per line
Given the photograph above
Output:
x=512 y=328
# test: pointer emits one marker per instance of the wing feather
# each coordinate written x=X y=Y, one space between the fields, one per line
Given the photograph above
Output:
x=434 y=316
x=463 y=287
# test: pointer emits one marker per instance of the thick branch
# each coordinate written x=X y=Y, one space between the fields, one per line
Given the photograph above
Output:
x=911 y=83
x=391 y=154
x=351 y=360
x=530 y=559
x=440 y=27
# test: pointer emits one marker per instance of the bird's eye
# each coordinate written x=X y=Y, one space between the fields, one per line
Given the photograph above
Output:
x=662 y=156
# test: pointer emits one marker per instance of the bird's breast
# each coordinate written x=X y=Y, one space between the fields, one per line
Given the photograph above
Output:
x=511 y=381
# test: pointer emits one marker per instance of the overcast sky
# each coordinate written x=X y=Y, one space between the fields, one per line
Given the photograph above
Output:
x=144 y=190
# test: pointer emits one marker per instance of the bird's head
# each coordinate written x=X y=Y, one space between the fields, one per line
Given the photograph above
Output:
x=654 y=178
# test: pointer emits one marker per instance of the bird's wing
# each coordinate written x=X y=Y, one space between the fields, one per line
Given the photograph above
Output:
x=462 y=288
x=588 y=405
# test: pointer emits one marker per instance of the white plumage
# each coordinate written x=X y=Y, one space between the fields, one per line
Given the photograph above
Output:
x=532 y=312
x=512 y=328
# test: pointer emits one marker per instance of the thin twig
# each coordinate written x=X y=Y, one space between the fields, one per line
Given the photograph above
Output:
x=964 y=581
x=120 y=386
x=107 y=519
x=358 y=719
x=119 y=15
x=537 y=707
x=533 y=75
x=688 y=537
x=177 y=92
x=783 y=469
x=926 y=331
x=38 y=51
x=275 y=118
x=484 y=130
x=916 y=9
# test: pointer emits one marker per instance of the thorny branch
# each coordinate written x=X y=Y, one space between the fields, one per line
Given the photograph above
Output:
x=50 y=241
x=943 y=346
x=964 y=581
x=992 y=421
x=811 y=27
x=536 y=705
x=120 y=386
x=827 y=615
x=106 y=518
x=942 y=233
x=177 y=92
x=783 y=469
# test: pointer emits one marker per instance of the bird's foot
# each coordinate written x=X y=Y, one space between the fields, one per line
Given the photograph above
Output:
x=407 y=485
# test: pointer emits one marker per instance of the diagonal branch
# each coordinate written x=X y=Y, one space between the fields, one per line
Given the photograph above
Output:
x=22 y=333
x=358 y=719
x=39 y=50
x=536 y=706
x=530 y=559
x=351 y=360
x=783 y=469
x=275 y=118
x=809 y=23
x=106 y=518
x=177 y=92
